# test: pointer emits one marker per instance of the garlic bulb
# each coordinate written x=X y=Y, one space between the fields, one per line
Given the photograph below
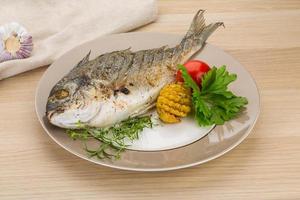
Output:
x=15 y=42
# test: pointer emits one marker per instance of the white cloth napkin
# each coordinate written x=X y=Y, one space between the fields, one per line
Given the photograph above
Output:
x=59 y=25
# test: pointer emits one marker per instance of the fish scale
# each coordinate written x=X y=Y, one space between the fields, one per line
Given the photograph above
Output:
x=121 y=84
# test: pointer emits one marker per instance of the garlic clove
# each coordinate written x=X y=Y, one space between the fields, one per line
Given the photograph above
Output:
x=15 y=42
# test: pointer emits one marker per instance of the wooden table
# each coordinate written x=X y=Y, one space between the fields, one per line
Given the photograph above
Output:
x=264 y=35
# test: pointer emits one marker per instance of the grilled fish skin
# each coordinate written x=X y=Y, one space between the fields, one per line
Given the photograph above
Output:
x=121 y=84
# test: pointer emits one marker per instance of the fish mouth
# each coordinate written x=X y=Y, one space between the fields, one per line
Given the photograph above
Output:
x=52 y=106
x=69 y=118
x=49 y=114
x=52 y=109
x=54 y=118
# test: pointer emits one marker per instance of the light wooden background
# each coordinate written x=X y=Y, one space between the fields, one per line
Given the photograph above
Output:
x=264 y=35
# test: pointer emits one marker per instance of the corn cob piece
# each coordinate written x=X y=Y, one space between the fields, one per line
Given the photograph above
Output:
x=173 y=102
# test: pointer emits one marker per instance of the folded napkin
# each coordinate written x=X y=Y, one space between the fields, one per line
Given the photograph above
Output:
x=59 y=25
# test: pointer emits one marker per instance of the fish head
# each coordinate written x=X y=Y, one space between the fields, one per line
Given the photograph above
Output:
x=71 y=101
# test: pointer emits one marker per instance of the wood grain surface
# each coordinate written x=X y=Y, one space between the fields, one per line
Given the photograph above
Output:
x=264 y=35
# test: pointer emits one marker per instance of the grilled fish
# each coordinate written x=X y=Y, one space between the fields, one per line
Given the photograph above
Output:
x=121 y=84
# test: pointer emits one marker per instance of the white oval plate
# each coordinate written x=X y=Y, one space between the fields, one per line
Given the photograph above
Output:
x=163 y=148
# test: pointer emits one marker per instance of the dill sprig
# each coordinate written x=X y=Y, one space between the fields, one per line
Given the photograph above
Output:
x=112 y=139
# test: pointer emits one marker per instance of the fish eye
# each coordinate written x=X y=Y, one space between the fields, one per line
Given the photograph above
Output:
x=61 y=94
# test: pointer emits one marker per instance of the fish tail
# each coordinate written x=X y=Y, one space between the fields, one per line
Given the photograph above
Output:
x=198 y=30
x=197 y=25
x=196 y=36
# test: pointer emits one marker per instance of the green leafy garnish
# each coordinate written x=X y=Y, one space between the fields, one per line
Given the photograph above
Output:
x=112 y=139
x=214 y=103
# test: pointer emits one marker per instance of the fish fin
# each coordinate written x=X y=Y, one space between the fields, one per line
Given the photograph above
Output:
x=198 y=28
x=195 y=38
x=84 y=60
x=197 y=24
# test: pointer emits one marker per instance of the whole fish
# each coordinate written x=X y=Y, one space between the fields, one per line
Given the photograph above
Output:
x=121 y=84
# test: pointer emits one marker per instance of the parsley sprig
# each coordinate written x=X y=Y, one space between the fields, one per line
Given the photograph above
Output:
x=213 y=103
x=112 y=139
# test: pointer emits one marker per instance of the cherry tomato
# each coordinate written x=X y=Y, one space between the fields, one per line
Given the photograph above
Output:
x=196 y=69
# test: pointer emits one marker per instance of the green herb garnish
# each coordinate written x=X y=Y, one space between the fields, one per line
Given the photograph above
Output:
x=112 y=139
x=214 y=103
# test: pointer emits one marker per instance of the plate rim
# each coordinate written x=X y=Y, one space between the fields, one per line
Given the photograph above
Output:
x=143 y=169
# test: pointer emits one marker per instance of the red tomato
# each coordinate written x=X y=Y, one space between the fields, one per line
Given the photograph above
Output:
x=196 y=69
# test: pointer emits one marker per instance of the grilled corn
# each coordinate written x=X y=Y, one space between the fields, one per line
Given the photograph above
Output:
x=173 y=102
